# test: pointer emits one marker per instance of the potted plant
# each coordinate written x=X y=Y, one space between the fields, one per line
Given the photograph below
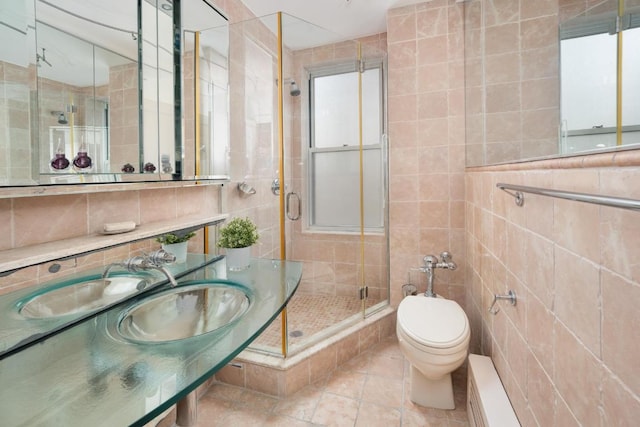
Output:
x=176 y=243
x=237 y=237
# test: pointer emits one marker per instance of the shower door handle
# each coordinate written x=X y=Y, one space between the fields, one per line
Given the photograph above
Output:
x=288 y=206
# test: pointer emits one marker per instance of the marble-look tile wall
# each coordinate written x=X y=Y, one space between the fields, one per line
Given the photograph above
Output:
x=254 y=131
x=567 y=352
x=15 y=115
x=426 y=141
x=26 y=221
x=331 y=260
x=123 y=114
x=512 y=81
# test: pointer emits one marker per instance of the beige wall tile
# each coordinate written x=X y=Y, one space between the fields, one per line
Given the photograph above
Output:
x=502 y=38
x=620 y=332
x=620 y=407
x=538 y=33
x=620 y=245
x=578 y=375
x=577 y=302
x=541 y=393
x=65 y=216
x=6 y=224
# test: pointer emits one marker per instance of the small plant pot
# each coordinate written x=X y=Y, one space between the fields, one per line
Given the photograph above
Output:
x=177 y=249
x=238 y=259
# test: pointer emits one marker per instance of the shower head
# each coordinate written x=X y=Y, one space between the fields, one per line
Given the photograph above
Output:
x=42 y=58
x=62 y=118
x=294 y=90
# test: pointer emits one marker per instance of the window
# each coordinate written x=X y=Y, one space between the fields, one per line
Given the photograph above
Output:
x=334 y=181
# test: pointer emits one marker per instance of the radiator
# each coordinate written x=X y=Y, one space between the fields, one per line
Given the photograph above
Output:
x=487 y=401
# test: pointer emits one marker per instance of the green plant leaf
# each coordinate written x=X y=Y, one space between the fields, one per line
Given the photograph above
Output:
x=238 y=233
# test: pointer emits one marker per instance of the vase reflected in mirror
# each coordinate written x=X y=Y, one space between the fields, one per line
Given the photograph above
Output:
x=59 y=161
x=82 y=162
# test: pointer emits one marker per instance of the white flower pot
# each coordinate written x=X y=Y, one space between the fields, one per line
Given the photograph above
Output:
x=238 y=259
x=177 y=249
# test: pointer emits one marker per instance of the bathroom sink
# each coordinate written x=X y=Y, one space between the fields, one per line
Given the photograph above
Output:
x=192 y=309
x=82 y=295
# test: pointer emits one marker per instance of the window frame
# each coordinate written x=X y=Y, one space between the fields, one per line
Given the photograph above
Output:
x=336 y=69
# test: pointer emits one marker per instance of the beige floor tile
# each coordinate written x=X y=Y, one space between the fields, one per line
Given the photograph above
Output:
x=347 y=384
x=386 y=366
x=334 y=410
x=383 y=391
x=418 y=419
x=372 y=415
x=358 y=364
x=212 y=410
x=283 y=421
x=370 y=390
x=301 y=405
x=257 y=401
x=245 y=417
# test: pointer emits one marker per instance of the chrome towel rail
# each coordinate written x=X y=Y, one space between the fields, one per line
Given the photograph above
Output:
x=616 y=202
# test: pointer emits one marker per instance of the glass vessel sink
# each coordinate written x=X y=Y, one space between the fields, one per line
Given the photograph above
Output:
x=192 y=309
x=82 y=296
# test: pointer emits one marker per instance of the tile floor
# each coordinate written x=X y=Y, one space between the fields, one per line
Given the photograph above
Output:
x=370 y=390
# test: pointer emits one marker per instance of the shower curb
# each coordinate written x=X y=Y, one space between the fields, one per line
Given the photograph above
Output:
x=282 y=377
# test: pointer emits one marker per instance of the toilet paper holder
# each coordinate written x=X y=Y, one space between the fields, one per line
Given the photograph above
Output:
x=511 y=296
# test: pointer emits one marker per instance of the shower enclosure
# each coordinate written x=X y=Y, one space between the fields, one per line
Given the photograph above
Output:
x=308 y=125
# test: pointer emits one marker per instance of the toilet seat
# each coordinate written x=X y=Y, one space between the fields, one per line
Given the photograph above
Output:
x=417 y=316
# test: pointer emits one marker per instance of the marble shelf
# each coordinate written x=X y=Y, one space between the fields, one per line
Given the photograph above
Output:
x=26 y=256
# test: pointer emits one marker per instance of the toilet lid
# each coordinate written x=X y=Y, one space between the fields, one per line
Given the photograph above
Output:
x=433 y=322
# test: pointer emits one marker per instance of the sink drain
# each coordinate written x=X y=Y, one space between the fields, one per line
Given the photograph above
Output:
x=295 y=334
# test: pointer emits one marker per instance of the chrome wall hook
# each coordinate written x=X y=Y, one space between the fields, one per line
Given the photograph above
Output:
x=245 y=189
x=511 y=296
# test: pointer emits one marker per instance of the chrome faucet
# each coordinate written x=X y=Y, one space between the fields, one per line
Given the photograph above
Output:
x=430 y=263
x=152 y=261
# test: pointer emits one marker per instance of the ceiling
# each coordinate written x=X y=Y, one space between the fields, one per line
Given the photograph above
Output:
x=350 y=19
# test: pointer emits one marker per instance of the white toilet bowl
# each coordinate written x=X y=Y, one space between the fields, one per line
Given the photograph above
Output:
x=433 y=334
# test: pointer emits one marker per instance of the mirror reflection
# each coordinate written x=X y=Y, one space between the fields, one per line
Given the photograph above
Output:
x=87 y=103
x=88 y=92
x=206 y=91
x=568 y=86
x=594 y=114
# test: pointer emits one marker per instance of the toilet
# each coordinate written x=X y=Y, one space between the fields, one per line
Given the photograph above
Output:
x=433 y=334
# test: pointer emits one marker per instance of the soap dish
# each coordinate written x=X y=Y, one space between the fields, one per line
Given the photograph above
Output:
x=118 y=227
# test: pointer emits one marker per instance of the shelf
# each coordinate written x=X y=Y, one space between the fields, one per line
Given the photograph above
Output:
x=26 y=256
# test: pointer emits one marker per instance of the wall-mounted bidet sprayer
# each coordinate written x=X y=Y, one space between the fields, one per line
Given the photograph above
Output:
x=431 y=263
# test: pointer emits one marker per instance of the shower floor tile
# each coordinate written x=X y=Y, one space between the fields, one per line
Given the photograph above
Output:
x=308 y=315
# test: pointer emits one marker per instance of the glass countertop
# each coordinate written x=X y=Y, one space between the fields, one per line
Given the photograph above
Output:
x=91 y=375
x=17 y=331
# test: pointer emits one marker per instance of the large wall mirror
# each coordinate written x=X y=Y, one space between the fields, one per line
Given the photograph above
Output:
x=600 y=79
x=92 y=92
x=556 y=80
x=205 y=35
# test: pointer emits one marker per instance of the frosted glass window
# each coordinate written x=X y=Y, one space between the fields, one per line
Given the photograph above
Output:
x=334 y=175
x=588 y=82
x=336 y=191
x=335 y=107
x=630 y=80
